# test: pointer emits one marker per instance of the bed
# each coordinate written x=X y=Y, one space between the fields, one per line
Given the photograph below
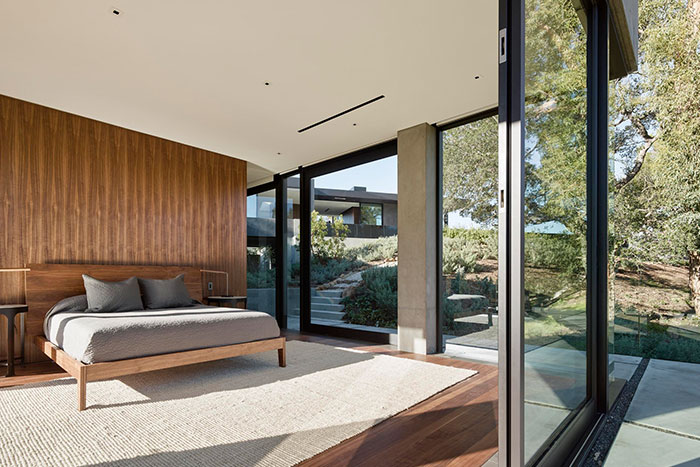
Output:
x=97 y=346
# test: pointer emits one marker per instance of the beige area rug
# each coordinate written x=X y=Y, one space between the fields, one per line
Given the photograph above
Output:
x=242 y=411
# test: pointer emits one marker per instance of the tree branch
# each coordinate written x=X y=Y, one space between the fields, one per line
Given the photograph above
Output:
x=649 y=140
x=638 y=162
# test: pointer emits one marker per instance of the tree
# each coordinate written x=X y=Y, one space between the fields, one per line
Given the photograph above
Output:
x=655 y=147
x=327 y=238
x=659 y=136
x=470 y=170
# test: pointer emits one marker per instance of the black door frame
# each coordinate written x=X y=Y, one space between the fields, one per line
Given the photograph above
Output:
x=440 y=342
x=573 y=438
x=308 y=173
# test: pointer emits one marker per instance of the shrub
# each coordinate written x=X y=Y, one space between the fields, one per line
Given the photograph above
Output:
x=381 y=249
x=554 y=251
x=331 y=269
x=261 y=279
x=660 y=345
x=323 y=271
x=326 y=237
x=480 y=286
x=374 y=301
x=458 y=256
x=483 y=242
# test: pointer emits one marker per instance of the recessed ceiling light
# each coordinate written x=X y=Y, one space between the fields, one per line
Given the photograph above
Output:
x=116 y=12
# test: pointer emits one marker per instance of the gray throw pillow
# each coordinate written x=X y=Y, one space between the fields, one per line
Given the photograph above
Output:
x=70 y=305
x=103 y=297
x=165 y=293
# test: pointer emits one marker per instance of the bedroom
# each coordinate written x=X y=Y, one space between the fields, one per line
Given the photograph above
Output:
x=228 y=236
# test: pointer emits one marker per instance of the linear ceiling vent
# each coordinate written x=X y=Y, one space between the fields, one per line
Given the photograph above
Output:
x=340 y=114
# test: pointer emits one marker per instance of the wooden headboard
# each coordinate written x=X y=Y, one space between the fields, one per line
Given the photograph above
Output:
x=49 y=283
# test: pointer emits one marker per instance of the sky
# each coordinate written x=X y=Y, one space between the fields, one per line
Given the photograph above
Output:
x=378 y=176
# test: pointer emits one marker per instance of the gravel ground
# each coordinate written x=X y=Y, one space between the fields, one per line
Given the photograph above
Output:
x=606 y=437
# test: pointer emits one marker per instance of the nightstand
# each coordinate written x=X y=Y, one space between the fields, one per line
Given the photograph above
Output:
x=10 y=311
x=222 y=300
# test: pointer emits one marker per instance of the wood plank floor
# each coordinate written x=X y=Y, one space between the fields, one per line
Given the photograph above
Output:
x=456 y=427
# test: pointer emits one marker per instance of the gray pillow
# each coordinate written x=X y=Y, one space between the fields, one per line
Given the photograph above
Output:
x=70 y=305
x=165 y=293
x=106 y=297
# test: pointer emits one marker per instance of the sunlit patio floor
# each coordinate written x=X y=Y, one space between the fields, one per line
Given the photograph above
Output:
x=662 y=424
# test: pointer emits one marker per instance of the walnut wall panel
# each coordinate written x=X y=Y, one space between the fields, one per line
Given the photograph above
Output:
x=75 y=190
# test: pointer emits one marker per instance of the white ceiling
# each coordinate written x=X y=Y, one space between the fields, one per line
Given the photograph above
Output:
x=194 y=71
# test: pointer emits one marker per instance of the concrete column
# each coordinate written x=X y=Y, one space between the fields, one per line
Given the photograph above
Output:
x=417 y=221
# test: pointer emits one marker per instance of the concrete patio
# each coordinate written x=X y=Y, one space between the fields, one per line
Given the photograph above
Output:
x=662 y=424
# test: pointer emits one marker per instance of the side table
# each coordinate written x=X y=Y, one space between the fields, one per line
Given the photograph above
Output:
x=222 y=300
x=10 y=311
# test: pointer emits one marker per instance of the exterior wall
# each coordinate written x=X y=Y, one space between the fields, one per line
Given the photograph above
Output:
x=390 y=214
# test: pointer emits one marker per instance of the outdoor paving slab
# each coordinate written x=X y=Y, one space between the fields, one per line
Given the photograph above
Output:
x=629 y=359
x=668 y=397
x=555 y=375
x=643 y=447
x=540 y=423
x=623 y=366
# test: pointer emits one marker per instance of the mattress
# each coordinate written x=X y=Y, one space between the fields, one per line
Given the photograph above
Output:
x=105 y=337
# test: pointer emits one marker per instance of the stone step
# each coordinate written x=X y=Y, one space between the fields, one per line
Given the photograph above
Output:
x=334 y=293
x=320 y=314
x=320 y=306
x=321 y=299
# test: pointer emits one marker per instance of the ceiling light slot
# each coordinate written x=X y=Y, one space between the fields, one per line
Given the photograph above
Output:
x=340 y=114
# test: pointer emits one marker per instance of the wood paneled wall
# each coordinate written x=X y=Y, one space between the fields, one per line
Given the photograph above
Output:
x=74 y=190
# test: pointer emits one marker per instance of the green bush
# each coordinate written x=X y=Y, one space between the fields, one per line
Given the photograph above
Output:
x=261 y=279
x=381 y=249
x=483 y=242
x=665 y=346
x=374 y=301
x=554 y=251
x=458 y=255
x=326 y=270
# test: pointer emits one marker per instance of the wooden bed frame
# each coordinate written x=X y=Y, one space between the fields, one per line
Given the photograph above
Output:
x=49 y=283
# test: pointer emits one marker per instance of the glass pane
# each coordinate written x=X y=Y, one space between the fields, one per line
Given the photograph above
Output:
x=292 y=268
x=555 y=317
x=261 y=243
x=354 y=247
x=470 y=240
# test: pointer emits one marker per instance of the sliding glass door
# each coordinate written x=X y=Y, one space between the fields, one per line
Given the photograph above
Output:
x=552 y=227
x=555 y=319
x=261 y=267
x=349 y=245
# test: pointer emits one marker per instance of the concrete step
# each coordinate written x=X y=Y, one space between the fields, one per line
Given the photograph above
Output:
x=320 y=306
x=321 y=314
x=334 y=293
x=331 y=300
x=331 y=315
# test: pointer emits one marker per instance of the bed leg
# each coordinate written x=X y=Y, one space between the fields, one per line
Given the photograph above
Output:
x=282 y=354
x=82 y=388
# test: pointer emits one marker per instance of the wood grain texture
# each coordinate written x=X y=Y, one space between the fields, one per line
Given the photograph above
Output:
x=74 y=190
x=49 y=283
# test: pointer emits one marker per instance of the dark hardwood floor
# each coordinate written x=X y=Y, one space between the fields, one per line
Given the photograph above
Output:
x=456 y=427
x=32 y=373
